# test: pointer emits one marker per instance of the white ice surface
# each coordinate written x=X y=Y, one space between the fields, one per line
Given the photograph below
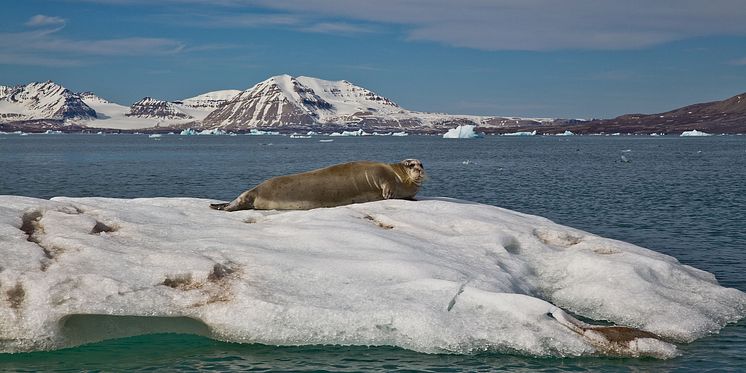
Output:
x=567 y=133
x=461 y=132
x=694 y=133
x=435 y=275
x=521 y=133
x=113 y=116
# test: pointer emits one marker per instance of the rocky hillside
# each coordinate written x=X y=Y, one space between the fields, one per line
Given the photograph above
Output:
x=159 y=109
x=42 y=101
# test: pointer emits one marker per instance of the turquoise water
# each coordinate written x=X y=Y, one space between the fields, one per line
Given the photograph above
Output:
x=681 y=196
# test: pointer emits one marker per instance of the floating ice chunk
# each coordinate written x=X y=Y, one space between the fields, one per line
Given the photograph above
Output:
x=435 y=275
x=399 y=134
x=694 y=133
x=53 y=132
x=521 y=133
x=188 y=132
x=462 y=132
x=359 y=132
x=216 y=132
x=256 y=132
x=155 y=136
x=570 y=133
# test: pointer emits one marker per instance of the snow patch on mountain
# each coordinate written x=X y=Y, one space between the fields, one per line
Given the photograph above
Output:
x=210 y=100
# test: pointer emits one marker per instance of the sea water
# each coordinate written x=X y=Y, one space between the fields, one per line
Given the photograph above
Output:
x=680 y=196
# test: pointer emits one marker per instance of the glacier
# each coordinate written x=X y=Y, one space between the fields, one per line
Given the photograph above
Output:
x=437 y=276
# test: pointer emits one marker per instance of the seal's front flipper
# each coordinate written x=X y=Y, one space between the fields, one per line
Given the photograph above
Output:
x=218 y=206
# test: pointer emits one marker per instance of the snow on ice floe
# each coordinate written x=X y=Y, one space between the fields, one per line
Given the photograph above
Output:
x=462 y=132
x=570 y=133
x=435 y=275
x=694 y=133
x=521 y=133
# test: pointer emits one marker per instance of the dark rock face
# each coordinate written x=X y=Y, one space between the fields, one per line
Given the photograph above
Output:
x=285 y=102
x=266 y=105
x=151 y=108
x=726 y=116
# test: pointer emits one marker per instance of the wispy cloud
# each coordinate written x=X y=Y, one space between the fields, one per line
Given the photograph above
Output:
x=536 y=25
x=42 y=20
x=738 y=62
x=338 y=28
x=44 y=45
x=46 y=40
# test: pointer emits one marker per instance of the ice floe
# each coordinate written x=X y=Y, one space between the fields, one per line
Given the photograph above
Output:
x=694 y=133
x=462 y=132
x=521 y=133
x=570 y=133
x=435 y=275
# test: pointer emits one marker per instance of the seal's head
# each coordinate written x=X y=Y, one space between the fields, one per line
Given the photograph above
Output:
x=414 y=169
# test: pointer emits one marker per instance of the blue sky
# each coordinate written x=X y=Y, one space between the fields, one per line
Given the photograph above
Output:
x=544 y=58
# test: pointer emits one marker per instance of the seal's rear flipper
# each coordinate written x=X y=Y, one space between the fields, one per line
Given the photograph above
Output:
x=218 y=206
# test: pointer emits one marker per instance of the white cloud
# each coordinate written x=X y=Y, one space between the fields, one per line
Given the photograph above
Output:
x=45 y=47
x=339 y=28
x=537 y=24
x=42 y=20
x=534 y=25
x=738 y=62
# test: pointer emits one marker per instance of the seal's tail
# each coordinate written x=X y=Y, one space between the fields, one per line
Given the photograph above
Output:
x=218 y=206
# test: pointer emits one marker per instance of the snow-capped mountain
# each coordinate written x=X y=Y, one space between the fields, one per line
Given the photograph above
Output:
x=47 y=100
x=152 y=108
x=210 y=100
x=286 y=101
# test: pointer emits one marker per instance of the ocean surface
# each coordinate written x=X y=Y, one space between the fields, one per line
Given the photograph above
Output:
x=685 y=197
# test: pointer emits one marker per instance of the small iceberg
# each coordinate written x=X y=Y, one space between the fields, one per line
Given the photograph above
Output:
x=215 y=132
x=694 y=133
x=155 y=136
x=399 y=134
x=295 y=136
x=569 y=133
x=256 y=132
x=52 y=132
x=188 y=132
x=359 y=132
x=521 y=133
x=465 y=131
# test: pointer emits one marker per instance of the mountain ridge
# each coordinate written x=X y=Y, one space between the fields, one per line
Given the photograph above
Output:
x=290 y=104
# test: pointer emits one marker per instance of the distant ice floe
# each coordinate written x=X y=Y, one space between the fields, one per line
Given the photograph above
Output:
x=569 y=133
x=256 y=132
x=462 y=132
x=359 y=132
x=188 y=132
x=53 y=132
x=521 y=133
x=435 y=275
x=694 y=133
x=214 y=132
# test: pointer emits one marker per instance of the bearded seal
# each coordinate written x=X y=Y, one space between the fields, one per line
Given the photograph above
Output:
x=342 y=184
